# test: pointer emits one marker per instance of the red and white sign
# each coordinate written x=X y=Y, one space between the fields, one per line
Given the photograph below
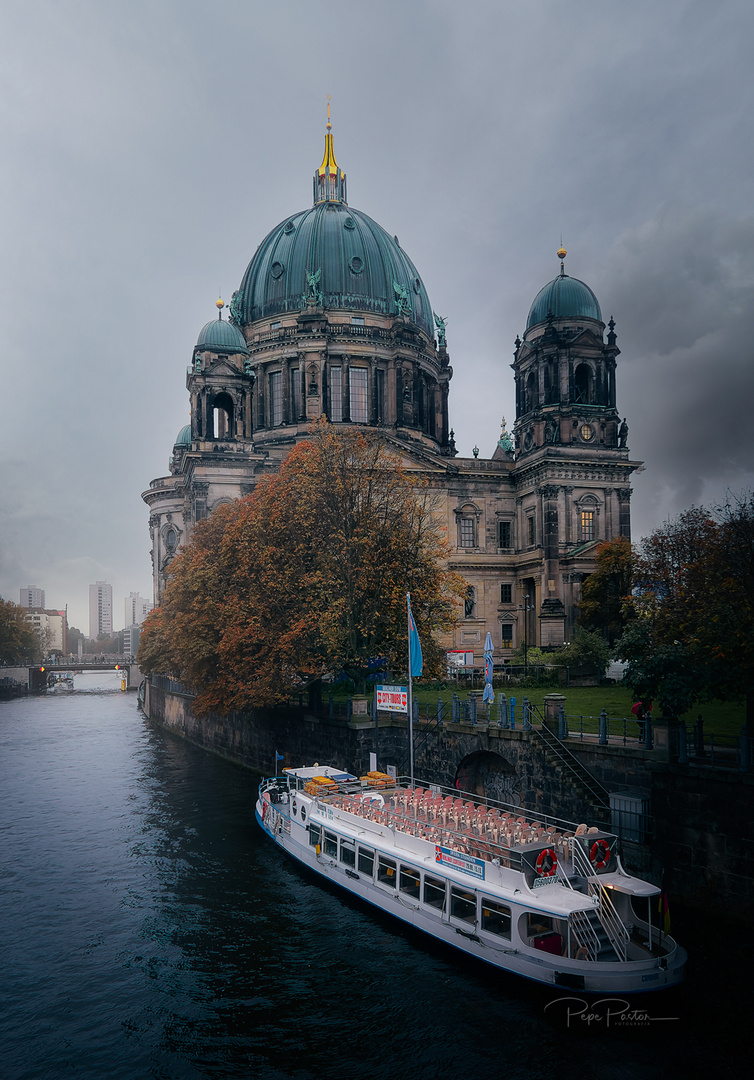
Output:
x=392 y=698
x=459 y=658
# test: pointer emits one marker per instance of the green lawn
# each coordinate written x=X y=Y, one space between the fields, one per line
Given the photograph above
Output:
x=588 y=701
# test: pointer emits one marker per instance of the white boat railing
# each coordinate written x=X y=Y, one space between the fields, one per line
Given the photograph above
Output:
x=612 y=924
x=584 y=936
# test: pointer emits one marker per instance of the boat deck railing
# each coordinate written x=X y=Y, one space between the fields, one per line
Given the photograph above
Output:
x=490 y=833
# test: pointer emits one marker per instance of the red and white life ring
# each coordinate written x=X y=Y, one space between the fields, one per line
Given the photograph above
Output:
x=547 y=862
x=600 y=854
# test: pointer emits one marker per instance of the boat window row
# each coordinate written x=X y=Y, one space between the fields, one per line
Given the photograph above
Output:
x=415 y=884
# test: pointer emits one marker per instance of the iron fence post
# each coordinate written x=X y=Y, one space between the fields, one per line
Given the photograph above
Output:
x=683 y=757
x=744 y=763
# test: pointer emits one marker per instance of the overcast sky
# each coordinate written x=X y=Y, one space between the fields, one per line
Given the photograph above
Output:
x=148 y=147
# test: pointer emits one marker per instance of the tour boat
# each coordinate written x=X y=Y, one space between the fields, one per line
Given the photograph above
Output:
x=533 y=895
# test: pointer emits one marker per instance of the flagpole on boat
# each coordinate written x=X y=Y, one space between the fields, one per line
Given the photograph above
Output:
x=410 y=696
x=415 y=667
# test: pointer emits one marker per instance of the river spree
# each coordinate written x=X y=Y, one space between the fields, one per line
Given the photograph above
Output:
x=149 y=930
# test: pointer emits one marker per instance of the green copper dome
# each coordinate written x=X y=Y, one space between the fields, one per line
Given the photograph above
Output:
x=331 y=256
x=358 y=263
x=221 y=336
x=184 y=436
x=565 y=297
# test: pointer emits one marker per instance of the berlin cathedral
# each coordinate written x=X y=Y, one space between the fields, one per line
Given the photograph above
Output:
x=332 y=319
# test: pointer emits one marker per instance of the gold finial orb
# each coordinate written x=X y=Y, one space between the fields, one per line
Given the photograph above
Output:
x=219 y=303
x=562 y=253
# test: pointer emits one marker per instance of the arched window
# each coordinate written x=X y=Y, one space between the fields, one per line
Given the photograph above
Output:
x=531 y=392
x=222 y=417
x=583 y=385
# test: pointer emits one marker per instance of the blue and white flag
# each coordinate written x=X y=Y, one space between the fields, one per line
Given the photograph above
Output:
x=489 y=694
x=416 y=661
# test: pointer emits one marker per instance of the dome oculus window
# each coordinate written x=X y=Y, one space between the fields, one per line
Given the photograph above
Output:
x=356 y=265
x=289 y=228
x=417 y=285
x=349 y=223
x=277 y=270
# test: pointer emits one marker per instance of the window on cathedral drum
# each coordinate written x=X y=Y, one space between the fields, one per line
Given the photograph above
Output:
x=276 y=398
x=506 y=593
x=358 y=379
x=336 y=395
x=504 y=534
x=467 y=532
x=295 y=394
x=587 y=525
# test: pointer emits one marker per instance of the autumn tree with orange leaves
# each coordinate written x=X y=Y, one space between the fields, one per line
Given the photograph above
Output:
x=306 y=577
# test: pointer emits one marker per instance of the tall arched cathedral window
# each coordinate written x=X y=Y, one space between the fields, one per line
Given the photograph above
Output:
x=583 y=384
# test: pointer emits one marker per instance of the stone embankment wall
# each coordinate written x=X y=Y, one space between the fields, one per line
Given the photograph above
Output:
x=701 y=819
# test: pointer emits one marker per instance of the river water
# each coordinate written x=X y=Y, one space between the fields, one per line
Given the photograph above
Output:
x=149 y=930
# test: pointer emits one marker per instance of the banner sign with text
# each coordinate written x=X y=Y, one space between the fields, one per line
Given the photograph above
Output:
x=392 y=698
x=458 y=861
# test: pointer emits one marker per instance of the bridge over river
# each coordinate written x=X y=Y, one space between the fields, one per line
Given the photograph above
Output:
x=38 y=676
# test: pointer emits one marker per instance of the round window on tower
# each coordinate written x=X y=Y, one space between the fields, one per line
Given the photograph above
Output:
x=587 y=434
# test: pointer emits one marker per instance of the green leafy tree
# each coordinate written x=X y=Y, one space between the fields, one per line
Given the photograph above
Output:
x=307 y=576
x=693 y=639
x=587 y=650
x=19 y=643
x=606 y=603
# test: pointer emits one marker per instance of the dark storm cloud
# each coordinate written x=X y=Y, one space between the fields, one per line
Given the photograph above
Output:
x=684 y=285
x=149 y=146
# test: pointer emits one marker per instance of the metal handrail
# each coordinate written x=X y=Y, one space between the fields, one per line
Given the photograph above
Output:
x=599 y=795
x=607 y=913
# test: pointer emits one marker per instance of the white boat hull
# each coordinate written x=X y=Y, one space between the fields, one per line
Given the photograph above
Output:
x=289 y=828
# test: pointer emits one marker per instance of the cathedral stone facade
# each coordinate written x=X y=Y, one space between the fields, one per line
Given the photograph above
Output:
x=332 y=319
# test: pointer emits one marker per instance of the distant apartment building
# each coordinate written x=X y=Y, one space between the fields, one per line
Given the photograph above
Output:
x=52 y=628
x=100 y=609
x=32 y=597
x=137 y=609
x=131 y=636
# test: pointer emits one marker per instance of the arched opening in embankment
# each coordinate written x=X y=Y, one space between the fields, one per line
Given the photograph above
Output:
x=489 y=775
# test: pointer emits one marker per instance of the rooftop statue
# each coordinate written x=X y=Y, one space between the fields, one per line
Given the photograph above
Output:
x=313 y=297
x=505 y=442
x=401 y=299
